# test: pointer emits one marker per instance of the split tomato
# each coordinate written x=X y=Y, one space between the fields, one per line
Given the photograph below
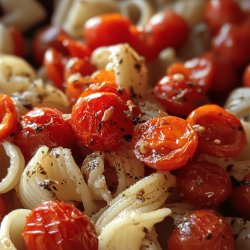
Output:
x=57 y=226
x=8 y=116
x=220 y=132
x=165 y=143
x=246 y=77
x=179 y=95
x=102 y=121
x=43 y=126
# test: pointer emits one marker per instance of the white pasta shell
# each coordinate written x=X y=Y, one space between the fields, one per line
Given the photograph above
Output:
x=15 y=169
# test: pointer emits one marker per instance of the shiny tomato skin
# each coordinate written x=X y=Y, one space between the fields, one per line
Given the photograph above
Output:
x=179 y=95
x=78 y=65
x=142 y=43
x=165 y=143
x=220 y=132
x=43 y=126
x=203 y=184
x=18 y=41
x=50 y=36
x=8 y=116
x=246 y=77
x=166 y=29
x=105 y=30
x=236 y=51
x=202 y=70
x=57 y=226
x=219 y=12
x=54 y=64
x=240 y=198
x=202 y=230
x=102 y=121
x=225 y=74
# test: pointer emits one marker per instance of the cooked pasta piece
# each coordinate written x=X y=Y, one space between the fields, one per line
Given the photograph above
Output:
x=54 y=175
x=15 y=74
x=13 y=165
x=138 y=11
x=11 y=230
x=131 y=230
x=127 y=221
x=129 y=68
x=6 y=42
x=40 y=94
x=17 y=14
x=122 y=163
x=80 y=11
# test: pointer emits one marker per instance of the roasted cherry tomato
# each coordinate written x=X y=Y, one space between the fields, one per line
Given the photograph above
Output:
x=201 y=70
x=203 y=184
x=18 y=41
x=76 y=49
x=50 y=36
x=165 y=143
x=202 y=230
x=111 y=87
x=102 y=121
x=108 y=29
x=54 y=64
x=219 y=12
x=224 y=74
x=43 y=126
x=57 y=226
x=142 y=43
x=236 y=51
x=8 y=116
x=78 y=65
x=166 y=29
x=220 y=133
x=246 y=77
x=240 y=199
x=179 y=95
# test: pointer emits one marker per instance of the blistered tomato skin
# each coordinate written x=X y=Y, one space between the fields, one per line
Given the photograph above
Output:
x=220 y=133
x=105 y=30
x=43 y=126
x=102 y=121
x=165 y=143
x=202 y=230
x=240 y=198
x=57 y=226
x=203 y=184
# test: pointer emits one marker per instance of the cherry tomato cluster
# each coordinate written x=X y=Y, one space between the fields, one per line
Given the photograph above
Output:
x=104 y=116
x=148 y=41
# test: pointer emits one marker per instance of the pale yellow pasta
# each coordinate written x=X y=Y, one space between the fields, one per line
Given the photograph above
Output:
x=122 y=163
x=54 y=175
x=13 y=166
x=40 y=94
x=81 y=10
x=11 y=230
x=138 y=11
x=6 y=42
x=22 y=14
x=15 y=74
